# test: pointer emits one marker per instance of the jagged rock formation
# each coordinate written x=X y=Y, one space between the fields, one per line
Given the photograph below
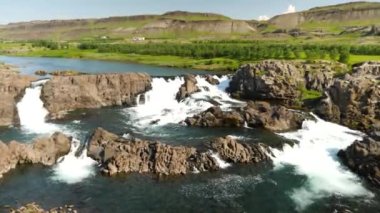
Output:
x=354 y=100
x=44 y=151
x=363 y=157
x=255 y=114
x=65 y=93
x=35 y=208
x=232 y=151
x=284 y=81
x=187 y=88
x=12 y=89
x=120 y=155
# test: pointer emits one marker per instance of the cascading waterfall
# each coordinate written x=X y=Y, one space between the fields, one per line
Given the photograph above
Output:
x=315 y=157
x=162 y=108
x=32 y=112
x=72 y=168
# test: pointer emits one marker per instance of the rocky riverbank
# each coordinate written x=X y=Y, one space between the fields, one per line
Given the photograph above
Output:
x=120 y=155
x=45 y=151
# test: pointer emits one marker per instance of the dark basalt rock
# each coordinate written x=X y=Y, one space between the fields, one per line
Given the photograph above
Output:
x=255 y=114
x=121 y=155
x=354 y=100
x=66 y=93
x=363 y=158
x=188 y=88
x=45 y=151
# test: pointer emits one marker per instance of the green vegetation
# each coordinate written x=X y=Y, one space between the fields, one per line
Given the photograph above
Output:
x=222 y=55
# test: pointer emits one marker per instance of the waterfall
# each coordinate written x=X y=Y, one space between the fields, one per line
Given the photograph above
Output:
x=71 y=168
x=31 y=111
x=315 y=156
x=162 y=108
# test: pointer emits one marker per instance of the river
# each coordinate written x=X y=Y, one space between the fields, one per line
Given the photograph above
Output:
x=305 y=178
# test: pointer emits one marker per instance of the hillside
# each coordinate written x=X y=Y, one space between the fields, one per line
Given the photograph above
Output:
x=350 y=20
x=335 y=18
x=169 y=25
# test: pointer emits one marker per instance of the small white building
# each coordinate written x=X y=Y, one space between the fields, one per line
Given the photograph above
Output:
x=138 y=39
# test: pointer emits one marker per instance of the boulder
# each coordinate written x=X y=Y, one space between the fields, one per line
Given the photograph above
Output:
x=230 y=150
x=282 y=81
x=188 y=88
x=12 y=89
x=120 y=155
x=45 y=151
x=354 y=100
x=255 y=114
x=363 y=158
x=211 y=80
x=66 y=93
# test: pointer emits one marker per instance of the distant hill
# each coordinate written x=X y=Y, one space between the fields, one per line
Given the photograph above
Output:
x=169 y=25
x=333 y=18
x=359 y=18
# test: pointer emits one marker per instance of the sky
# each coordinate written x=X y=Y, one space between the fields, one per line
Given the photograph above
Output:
x=27 y=10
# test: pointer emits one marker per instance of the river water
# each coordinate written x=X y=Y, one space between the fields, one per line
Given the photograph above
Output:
x=304 y=178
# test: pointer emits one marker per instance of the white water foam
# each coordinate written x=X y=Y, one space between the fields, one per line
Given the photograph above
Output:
x=161 y=107
x=221 y=163
x=73 y=169
x=32 y=112
x=70 y=168
x=315 y=157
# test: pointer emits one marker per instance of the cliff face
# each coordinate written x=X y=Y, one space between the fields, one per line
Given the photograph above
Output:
x=339 y=13
x=66 y=93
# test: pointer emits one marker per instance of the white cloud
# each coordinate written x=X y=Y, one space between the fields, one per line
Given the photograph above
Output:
x=263 y=18
x=291 y=9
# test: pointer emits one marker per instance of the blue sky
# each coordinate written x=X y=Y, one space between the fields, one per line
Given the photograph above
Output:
x=26 y=10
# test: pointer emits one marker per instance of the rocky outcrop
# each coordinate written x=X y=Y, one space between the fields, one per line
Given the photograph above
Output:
x=121 y=155
x=363 y=157
x=65 y=93
x=118 y=155
x=35 y=208
x=45 y=151
x=255 y=114
x=282 y=81
x=188 y=88
x=232 y=151
x=211 y=80
x=12 y=89
x=354 y=100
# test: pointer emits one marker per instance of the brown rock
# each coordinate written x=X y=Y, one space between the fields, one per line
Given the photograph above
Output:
x=65 y=93
x=232 y=151
x=363 y=157
x=210 y=79
x=45 y=151
x=255 y=114
x=120 y=155
x=12 y=89
x=354 y=100
x=35 y=208
x=187 y=88
x=284 y=81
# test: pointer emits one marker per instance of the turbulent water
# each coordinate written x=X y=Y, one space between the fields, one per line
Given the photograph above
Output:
x=306 y=177
x=315 y=157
